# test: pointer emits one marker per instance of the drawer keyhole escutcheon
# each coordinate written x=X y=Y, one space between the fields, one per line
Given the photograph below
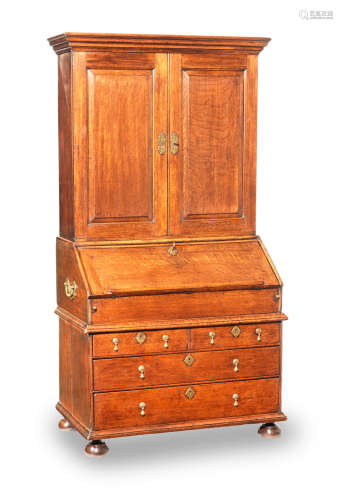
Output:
x=141 y=370
x=142 y=406
x=258 y=332
x=189 y=360
x=165 y=339
x=141 y=337
x=236 y=331
x=70 y=288
x=212 y=335
x=190 y=393
x=115 y=342
x=173 y=250
x=235 y=364
x=235 y=398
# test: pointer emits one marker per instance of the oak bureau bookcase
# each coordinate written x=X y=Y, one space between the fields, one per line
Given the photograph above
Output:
x=169 y=305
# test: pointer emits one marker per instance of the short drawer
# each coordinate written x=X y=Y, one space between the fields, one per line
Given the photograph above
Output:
x=145 y=407
x=145 y=371
x=231 y=336
x=144 y=342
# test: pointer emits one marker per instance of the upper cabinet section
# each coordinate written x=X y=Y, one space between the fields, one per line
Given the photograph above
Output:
x=157 y=136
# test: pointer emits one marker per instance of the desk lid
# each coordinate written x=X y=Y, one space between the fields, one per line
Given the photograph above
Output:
x=119 y=270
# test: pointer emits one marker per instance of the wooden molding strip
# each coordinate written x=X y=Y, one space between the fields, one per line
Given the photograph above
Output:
x=67 y=42
x=67 y=316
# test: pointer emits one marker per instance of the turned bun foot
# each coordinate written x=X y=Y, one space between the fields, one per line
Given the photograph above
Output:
x=65 y=425
x=269 y=430
x=96 y=448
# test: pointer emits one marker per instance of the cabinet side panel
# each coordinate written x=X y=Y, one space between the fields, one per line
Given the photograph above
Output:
x=65 y=146
x=64 y=365
x=80 y=387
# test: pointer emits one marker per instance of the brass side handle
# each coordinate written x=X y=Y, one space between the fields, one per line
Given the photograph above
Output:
x=174 y=143
x=236 y=331
x=70 y=288
x=142 y=406
x=162 y=143
x=235 y=363
x=115 y=342
x=165 y=339
x=212 y=335
x=235 y=398
x=258 y=332
x=141 y=371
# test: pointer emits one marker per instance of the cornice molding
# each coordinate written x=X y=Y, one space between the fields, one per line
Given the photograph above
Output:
x=89 y=42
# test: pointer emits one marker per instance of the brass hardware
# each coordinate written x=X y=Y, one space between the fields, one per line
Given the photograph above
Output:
x=277 y=296
x=173 y=250
x=258 y=332
x=174 y=143
x=162 y=143
x=190 y=393
x=235 y=397
x=212 y=335
x=165 y=339
x=235 y=363
x=141 y=337
x=142 y=406
x=115 y=342
x=70 y=288
x=236 y=331
x=94 y=309
x=141 y=370
x=189 y=360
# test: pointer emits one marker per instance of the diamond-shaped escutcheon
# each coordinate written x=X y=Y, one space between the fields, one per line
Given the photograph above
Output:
x=189 y=360
x=190 y=393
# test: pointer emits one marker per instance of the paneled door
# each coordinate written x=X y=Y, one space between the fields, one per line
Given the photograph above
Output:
x=212 y=155
x=120 y=109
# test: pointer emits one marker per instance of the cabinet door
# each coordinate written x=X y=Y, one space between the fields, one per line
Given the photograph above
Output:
x=120 y=108
x=212 y=176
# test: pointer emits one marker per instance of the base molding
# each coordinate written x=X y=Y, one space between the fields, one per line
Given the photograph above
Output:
x=180 y=426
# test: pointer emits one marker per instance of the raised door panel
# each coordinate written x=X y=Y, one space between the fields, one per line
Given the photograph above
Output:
x=212 y=177
x=126 y=177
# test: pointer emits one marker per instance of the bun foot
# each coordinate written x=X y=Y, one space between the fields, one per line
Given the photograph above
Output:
x=269 y=430
x=65 y=425
x=96 y=448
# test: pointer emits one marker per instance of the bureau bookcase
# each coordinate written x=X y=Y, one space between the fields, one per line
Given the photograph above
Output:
x=169 y=305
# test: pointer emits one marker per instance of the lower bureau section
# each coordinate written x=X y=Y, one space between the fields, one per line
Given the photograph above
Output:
x=144 y=407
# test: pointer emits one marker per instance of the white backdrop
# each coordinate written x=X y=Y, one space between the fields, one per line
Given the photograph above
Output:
x=299 y=217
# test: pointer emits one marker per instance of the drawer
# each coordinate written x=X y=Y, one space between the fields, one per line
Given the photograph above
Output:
x=185 y=403
x=119 y=344
x=176 y=306
x=145 y=371
x=231 y=336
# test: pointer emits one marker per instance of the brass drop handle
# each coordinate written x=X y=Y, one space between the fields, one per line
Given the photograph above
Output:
x=165 y=339
x=115 y=342
x=258 y=332
x=141 y=370
x=212 y=335
x=235 y=363
x=142 y=406
x=235 y=397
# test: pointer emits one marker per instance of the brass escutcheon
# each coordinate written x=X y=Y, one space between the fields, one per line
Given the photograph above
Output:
x=162 y=143
x=141 y=337
x=212 y=335
x=174 y=143
x=165 y=339
x=115 y=342
x=236 y=331
x=190 y=393
x=235 y=363
x=141 y=371
x=189 y=360
x=258 y=332
x=70 y=288
x=173 y=250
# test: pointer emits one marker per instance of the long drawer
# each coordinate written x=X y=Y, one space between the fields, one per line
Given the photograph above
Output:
x=143 y=342
x=184 y=403
x=145 y=371
x=177 y=306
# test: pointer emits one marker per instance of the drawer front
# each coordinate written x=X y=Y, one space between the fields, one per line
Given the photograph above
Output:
x=145 y=371
x=185 y=403
x=119 y=344
x=125 y=310
x=226 y=337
